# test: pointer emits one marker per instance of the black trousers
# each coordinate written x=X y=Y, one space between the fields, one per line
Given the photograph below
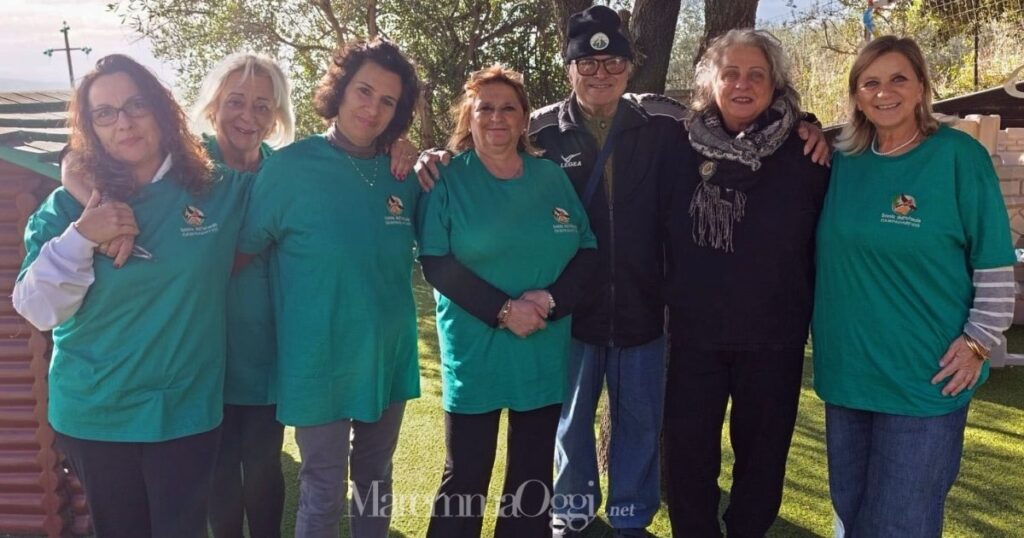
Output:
x=140 y=490
x=765 y=391
x=471 y=441
x=248 y=481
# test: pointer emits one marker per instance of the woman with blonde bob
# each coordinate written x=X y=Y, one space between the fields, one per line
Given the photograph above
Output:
x=503 y=238
x=914 y=287
x=244 y=110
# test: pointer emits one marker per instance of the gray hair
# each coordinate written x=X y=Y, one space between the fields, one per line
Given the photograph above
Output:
x=707 y=68
x=250 y=64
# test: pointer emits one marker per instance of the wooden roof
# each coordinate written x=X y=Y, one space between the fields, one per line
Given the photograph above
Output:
x=33 y=129
x=991 y=101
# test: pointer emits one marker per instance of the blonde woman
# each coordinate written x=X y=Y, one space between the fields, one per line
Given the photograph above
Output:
x=244 y=110
x=914 y=286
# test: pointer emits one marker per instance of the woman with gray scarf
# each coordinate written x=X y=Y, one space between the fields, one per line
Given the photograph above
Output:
x=741 y=284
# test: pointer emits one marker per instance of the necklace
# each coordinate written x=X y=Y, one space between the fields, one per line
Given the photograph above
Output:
x=369 y=181
x=874 y=145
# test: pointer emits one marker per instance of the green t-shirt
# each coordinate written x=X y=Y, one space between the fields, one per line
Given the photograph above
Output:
x=143 y=357
x=341 y=254
x=898 y=240
x=252 y=343
x=518 y=235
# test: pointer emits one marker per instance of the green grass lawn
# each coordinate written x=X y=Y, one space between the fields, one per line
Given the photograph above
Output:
x=987 y=500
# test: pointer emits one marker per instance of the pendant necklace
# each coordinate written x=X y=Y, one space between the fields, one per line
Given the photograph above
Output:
x=874 y=145
x=369 y=181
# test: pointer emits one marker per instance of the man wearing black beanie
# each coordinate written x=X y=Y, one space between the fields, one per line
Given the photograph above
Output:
x=615 y=147
x=618 y=150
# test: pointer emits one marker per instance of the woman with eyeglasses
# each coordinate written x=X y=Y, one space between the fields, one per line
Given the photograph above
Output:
x=136 y=379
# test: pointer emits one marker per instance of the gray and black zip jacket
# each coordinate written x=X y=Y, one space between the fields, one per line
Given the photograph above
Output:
x=623 y=300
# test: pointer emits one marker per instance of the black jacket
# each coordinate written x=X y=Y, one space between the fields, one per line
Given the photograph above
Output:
x=624 y=304
x=760 y=295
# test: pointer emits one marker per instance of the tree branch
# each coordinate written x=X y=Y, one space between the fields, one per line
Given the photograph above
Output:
x=327 y=11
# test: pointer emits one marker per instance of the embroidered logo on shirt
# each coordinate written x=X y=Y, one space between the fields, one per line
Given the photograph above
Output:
x=902 y=206
x=395 y=208
x=562 y=221
x=568 y=162
x=599 y=41
x=193 y=216
x=196 y=219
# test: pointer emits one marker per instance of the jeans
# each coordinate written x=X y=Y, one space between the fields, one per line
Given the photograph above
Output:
x=323 y=477
x=764 y=387
x=636 y=394
x=248 y=483
x=471 y=442
x=889 y=474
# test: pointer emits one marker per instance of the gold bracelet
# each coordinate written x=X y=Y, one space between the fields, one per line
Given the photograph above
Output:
x=504 y=312
x=976 y=347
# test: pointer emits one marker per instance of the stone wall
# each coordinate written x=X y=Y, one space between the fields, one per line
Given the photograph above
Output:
x=1006 y=146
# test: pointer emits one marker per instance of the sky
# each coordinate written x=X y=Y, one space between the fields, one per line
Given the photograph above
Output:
x=28 y=27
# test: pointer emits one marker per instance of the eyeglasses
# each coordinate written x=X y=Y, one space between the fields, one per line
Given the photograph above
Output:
x=613 y=66
x=136 y=107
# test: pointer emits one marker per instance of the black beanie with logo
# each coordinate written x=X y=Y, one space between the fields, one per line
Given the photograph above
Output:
x=595 y=31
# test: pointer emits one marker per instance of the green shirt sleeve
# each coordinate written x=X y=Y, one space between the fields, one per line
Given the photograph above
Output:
x=54 y=216
x=981 y=208
x=433 y=222
x=263 y=214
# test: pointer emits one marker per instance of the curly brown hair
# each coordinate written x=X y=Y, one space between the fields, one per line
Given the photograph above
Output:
x=191 y=167
x=345 y=63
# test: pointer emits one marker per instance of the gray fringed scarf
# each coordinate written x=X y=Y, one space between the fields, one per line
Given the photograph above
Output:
x=728 y=170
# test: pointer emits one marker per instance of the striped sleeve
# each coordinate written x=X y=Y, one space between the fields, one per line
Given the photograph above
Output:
x=992 y=311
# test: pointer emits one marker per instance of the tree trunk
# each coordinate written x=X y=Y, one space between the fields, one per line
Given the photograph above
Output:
x=371 y=19
x=653 y=27
x=426 y=115
x=720 y=16
x=564 y=8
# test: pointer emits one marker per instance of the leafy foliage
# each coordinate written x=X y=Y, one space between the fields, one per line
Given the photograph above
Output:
x=448 y=39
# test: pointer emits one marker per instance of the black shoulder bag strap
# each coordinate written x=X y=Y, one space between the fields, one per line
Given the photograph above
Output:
x=595 y=175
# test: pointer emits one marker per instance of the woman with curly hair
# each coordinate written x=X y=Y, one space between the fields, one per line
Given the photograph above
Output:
x=136 y=379
x=338 y=230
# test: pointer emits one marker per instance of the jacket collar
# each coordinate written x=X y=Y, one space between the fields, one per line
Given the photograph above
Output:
x=628 y=115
